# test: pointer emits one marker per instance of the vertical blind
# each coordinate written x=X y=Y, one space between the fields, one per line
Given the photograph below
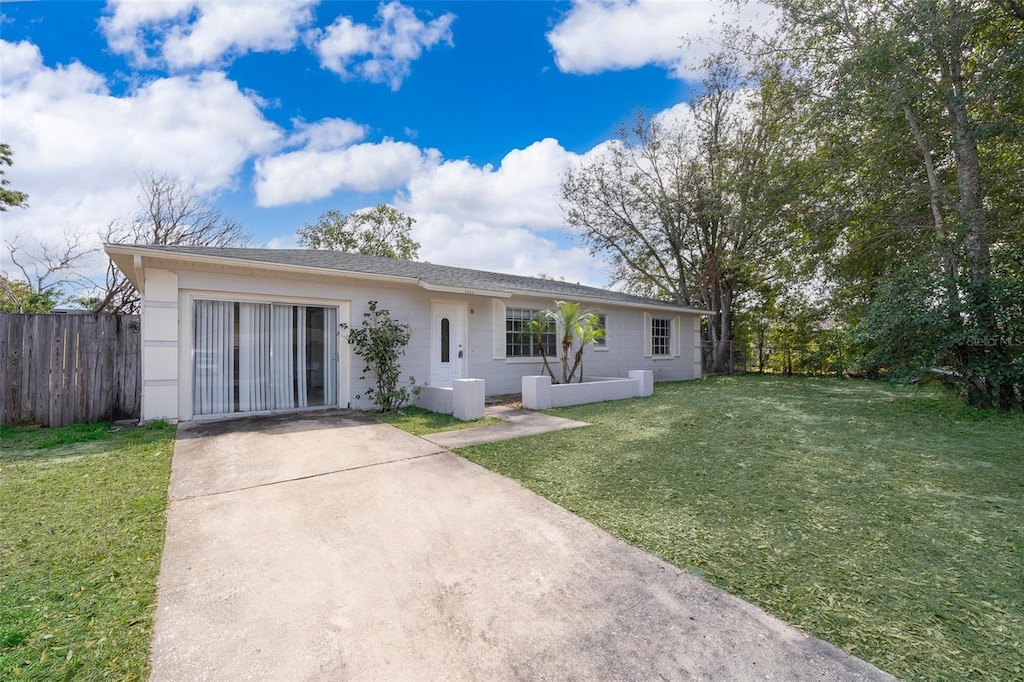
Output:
x=214 y=357
x=273 y=365
x=331 y=355
x=253 y=357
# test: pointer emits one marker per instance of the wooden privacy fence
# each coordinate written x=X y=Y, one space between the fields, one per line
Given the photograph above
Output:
x=57 y=370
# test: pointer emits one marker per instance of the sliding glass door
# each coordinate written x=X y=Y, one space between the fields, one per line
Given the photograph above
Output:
x=254 y=357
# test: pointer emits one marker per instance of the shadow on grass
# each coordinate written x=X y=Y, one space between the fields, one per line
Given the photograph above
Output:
x=42 y=444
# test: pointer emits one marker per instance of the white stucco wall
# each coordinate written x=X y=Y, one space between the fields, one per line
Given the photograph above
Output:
x=624 y=350
x=167 y=329
x=160 y=371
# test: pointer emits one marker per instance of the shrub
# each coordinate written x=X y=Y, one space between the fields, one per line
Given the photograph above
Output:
x=381 y=342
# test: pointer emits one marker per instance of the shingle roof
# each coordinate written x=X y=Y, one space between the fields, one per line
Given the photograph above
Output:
x=428 y=273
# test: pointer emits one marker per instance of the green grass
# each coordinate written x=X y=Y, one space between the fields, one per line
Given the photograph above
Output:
x=888 y=520
x=81 y=532
x=420 y=422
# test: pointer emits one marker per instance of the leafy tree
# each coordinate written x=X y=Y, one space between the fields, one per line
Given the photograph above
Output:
x=691 y=211
x=17 y=296
x=171 y=212
x=378 y=231
x=916 y=125
x=9 y=198
x=381 y=342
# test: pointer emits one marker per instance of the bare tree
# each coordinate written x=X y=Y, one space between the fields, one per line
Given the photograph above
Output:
x=689 y=211
x=171 y=212
x=44 y=272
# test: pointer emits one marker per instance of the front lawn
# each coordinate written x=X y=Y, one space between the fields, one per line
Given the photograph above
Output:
x=888 y=520
x=420 y=422
x=81 y=532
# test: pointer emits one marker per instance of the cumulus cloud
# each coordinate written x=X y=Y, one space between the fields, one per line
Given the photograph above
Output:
x=612 y=35
x=185 y=34
x=505 y=219
x=327 y=133
x=79 y=151
x=482 y=245
x=521 y=192
x=314 y=173
x=380 y=54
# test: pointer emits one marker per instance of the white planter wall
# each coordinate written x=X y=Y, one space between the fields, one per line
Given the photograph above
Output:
x=464 y=400
x=540 y=394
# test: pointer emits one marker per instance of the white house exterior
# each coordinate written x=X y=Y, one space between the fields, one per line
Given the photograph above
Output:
x=229 y=331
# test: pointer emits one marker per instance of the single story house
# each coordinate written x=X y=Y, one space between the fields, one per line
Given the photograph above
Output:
x=239 y=330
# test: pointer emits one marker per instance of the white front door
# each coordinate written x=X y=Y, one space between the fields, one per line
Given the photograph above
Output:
x=447 y=354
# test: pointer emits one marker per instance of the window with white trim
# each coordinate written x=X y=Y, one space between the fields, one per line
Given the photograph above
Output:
x=602 y=324
x=519 y=342
x=661 y=336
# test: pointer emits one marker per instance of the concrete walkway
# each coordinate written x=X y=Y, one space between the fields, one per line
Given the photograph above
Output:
x=331 y=547
x=518 y=423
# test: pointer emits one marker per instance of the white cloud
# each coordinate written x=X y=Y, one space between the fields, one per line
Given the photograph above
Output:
x=521 y=192
x=680 y=115
x=380 y=54
x=314 y=173
x=505 y=219
x=327 y=133
x=485 y=246
x=79 y=151
x=288 y=241
x=186 y=34
x=612 y=35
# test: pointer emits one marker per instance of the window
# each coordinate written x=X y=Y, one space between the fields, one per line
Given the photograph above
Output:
x=446 y=346
x=519 y=343
x=602 y=324
x=252 y=357
x=661 y=336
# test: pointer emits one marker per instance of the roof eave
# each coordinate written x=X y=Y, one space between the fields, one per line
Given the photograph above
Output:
x=133 y=269
x=469 y=291
x=611 y=301
x=120 y=249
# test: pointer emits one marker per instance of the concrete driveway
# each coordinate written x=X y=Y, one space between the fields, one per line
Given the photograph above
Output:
x=330 y=547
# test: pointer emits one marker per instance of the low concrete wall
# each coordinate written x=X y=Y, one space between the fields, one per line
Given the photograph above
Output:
x=468 y=399
x=594 y=390
x=540 y=394
x=435 y=399
x=464 y=400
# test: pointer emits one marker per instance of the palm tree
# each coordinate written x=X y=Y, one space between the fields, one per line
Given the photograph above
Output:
x=577 y=326
x=536 y=329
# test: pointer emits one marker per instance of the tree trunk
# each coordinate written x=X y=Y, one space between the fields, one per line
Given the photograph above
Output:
x=721 y=347
x=984 y=390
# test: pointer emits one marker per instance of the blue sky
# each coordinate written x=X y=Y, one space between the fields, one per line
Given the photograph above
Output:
x=462 y=114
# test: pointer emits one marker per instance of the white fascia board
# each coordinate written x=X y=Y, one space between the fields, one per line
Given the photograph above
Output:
x=252 y=264
x=137 y=278
x=613 y=302
x=469 y=291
